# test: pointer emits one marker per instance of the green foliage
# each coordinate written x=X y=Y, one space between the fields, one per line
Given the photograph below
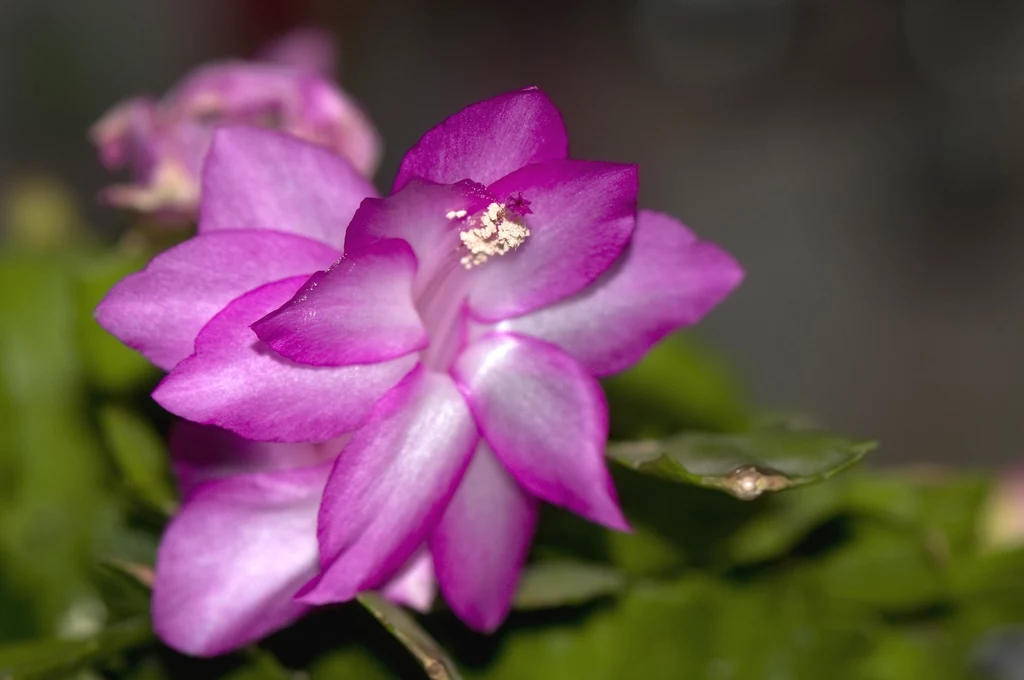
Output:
x=872 y=575
x=141 y=456
x=745 y=464
x=557 y=583
x=679 y=384
x=109 y=365
x=52 y=506
x=400 y=623
x=59 y=658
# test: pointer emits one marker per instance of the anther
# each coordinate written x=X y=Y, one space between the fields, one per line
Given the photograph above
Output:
x=499 y=232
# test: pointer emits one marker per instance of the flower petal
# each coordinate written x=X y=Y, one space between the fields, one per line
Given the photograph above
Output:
x=482 y=541
x=125 y=135
x=231 y=560
x=546 y=420
x=299 y=103
x=259 y=179
x=160 y=310
x=486 y=141
x=203 y=452
x=235 y=381
x=423 y=215
x=306 y=49
x=414 y=585
x=390 y=485
x=359 y=311
x=582 y=218
x=666 y=280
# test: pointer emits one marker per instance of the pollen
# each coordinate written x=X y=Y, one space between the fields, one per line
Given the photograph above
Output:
x=455 y=214
x=500 y=231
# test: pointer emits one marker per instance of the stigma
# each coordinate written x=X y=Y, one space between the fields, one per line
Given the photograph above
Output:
x=501 y=230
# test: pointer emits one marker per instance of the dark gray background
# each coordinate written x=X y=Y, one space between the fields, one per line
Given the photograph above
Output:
x=864 y=159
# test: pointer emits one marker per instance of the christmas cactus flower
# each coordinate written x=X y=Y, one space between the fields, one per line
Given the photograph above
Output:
x=305 y=49
x=244 y=541
x=456 y=341
x=163 y=143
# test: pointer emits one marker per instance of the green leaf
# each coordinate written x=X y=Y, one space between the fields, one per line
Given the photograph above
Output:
x=883 y=567
x=945 y=506
x=54 y=504
x=148 y=667
x=783 y=522
x=37 y=660
x=141 y=575
x=938 y=510
x=262 y=665
x=691 y=627
x=900 y=654
x=997 y=575
x=141 y=455
x=351 y=662
x=743 y=465
x=990 y=589
x=675 y=526
x=587 y=648
x=780 y=628
x=562 y=583
x=679 y=384
x=107 y=362
x=435 y=661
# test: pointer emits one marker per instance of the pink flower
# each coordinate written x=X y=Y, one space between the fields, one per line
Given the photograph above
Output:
x=306 y=49
x=1003 y=517
x=245 y=540
x=163 y=143
x=458 y=340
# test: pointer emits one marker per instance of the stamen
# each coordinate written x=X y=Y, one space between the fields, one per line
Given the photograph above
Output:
x=499 y=233
x=517 y=205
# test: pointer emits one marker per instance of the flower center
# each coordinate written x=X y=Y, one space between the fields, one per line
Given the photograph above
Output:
x=500 y=230
x=492 y=232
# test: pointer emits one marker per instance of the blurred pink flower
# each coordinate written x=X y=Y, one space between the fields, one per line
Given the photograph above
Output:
x=163 y=143
x=457 y=336
x=1003 y=520
x=306 y=49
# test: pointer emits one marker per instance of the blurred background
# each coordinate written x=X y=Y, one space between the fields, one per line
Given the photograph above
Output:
x=863 y=159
